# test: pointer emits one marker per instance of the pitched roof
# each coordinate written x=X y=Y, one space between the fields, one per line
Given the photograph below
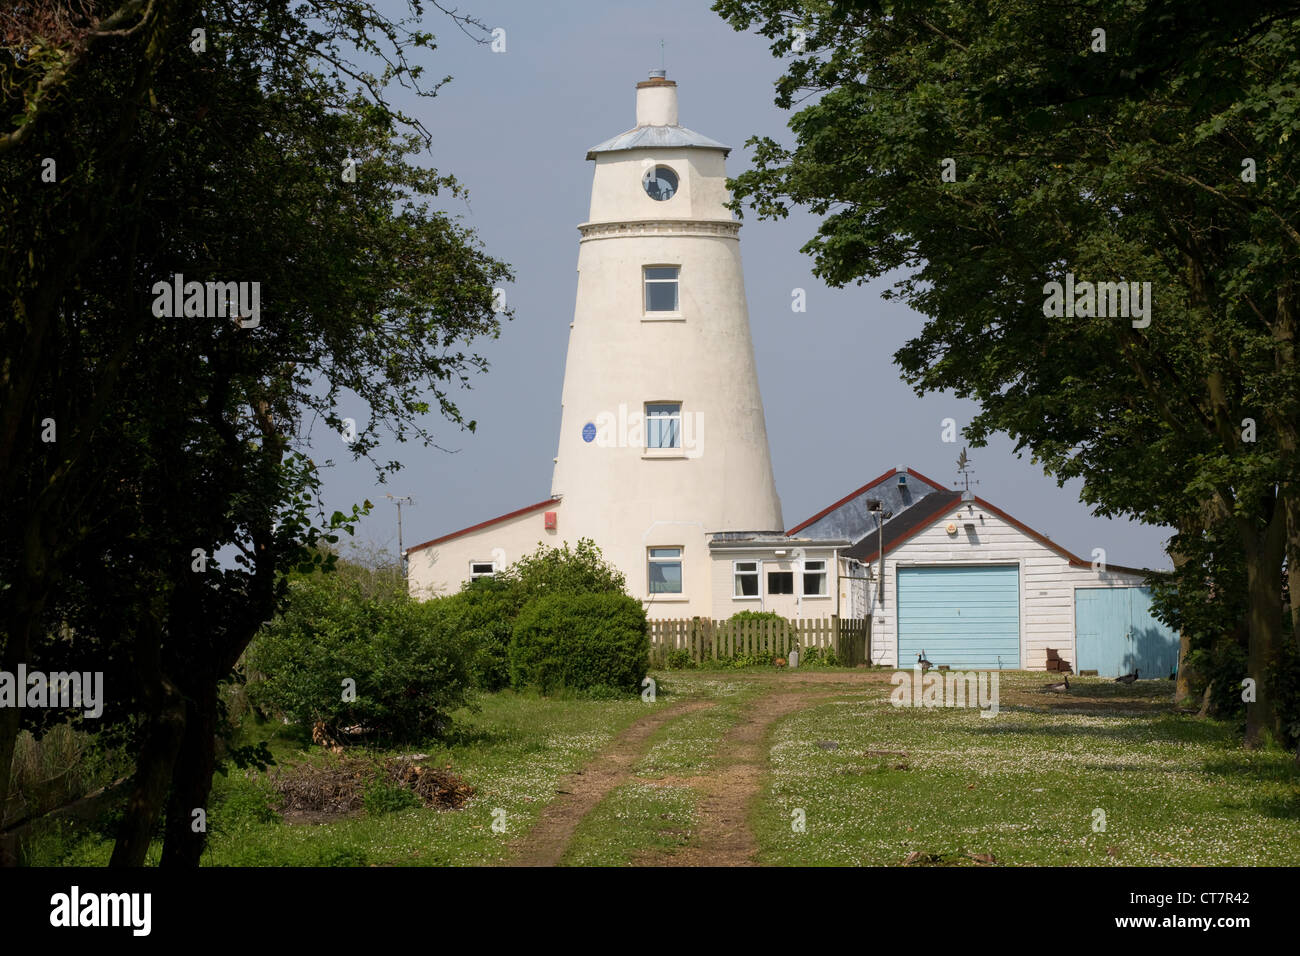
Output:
x=484 y=524
x=938 y=505
x=902 y=526
x=875 y=482
x=656 y=137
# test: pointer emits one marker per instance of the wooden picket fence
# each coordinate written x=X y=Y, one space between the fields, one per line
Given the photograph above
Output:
x=715 y=640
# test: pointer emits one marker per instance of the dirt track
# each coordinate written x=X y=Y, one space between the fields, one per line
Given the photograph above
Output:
x=723 y=835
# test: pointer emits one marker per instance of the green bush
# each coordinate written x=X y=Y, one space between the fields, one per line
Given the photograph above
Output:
x=485 y=610
x=751 y=660
x=382 y=797
x=240 y=800
x=410 y=668
x=679 y=660
x=584 y=642
x=483 y=614
x=547 y=571
x=815 y=656
x=762 y=616
x=760 y=659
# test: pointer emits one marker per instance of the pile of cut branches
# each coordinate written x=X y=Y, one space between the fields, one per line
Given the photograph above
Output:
x=338 y=786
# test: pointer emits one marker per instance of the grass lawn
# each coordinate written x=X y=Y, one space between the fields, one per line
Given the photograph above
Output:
x=641 y=817
x=873 y=783
x=688 y=745
x=1025 y=786
x=513 y=751
x=635 y=819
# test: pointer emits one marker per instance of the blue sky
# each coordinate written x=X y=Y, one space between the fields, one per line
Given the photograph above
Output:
x=514 y=128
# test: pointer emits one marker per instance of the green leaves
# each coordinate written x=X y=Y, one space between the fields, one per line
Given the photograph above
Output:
x=1113 y=166
x=188 y=433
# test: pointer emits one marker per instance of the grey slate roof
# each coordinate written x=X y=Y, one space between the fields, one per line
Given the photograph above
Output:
x=849 y=517
x=901 y=526
x=656 y=137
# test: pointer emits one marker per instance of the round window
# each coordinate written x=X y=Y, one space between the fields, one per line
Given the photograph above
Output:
x=660 y=183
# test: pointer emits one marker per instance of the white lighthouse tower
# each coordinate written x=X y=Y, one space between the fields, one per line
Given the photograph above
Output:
x=662 y=436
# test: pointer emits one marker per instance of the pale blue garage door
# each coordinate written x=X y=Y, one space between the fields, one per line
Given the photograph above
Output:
x=965 y=617
x=1116 y=632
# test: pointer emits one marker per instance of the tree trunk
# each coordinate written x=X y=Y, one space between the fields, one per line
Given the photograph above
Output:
x=1263 y=556
x=8 y=725
x=21 y=624
x=152 y=778
x=192 y=780
x=1182 y=687
x=1293 y=563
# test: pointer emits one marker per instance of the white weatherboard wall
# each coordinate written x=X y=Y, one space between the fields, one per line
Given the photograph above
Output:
x=1047 y=582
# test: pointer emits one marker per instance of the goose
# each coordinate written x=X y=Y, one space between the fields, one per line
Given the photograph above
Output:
x=925 y=664
x=1059 y=688
x=1127 y=678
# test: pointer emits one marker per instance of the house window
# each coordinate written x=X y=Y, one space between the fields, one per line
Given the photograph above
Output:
x=780 y=582
x=814 y=579
x=665 y=566
x=746 y=579
x=663 y=425
x=661 y=288
x=481 y=569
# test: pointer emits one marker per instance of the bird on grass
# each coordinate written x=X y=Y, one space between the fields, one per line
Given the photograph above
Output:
x=1062 y=687
x=1127 y=678
x=925 y=664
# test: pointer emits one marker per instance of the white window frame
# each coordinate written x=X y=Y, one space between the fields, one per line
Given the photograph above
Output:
x=672 y=417
x=756 y=574
x=825 y=576
x=646 y=281
x=793 y=572
x=475 y=575
x=679 y=560
x=652 y=170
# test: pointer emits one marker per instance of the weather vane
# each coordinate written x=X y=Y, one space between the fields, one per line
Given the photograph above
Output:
x=964 y=469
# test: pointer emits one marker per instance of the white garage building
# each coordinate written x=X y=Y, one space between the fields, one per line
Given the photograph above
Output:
x=973 y=588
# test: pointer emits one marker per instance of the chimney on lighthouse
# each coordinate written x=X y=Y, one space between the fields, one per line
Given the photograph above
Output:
x=656 y=100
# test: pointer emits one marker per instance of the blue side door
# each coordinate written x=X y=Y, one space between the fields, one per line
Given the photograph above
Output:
x=1115 y=632
x=965 y=617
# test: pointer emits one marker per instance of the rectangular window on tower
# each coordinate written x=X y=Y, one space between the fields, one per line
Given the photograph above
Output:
x=665 y=567
x=661 y=289
x=663 y=425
